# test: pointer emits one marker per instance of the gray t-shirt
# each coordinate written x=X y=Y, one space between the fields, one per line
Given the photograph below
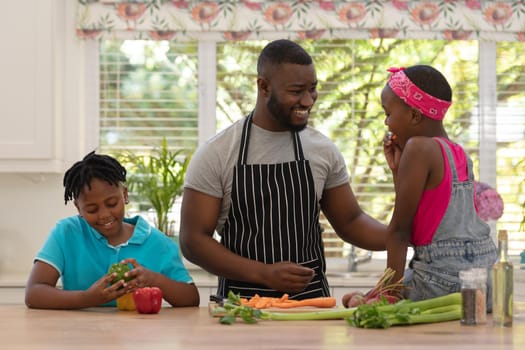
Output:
x=211 y=168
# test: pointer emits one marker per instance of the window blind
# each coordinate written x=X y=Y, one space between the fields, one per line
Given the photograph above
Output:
x=351 y=76
x=510 y=139
x=149 y=90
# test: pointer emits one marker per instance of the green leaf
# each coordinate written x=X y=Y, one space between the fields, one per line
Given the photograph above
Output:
x=227 y=319
x=158 y=178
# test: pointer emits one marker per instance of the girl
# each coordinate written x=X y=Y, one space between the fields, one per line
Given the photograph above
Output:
x=80 y=249
x=434 y=205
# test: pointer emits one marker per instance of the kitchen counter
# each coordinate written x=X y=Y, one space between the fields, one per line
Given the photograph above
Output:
x=12 y=287
x=194 y=328
x=340 y=281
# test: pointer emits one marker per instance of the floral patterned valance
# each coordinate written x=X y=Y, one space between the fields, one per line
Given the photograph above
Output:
x=301 y=19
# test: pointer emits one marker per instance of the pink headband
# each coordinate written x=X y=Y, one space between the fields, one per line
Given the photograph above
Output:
x=413 y=96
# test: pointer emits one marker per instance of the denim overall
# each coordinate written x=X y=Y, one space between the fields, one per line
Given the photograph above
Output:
x=461 y=241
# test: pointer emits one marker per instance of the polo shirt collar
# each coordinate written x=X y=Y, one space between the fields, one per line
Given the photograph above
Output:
x=141 y=231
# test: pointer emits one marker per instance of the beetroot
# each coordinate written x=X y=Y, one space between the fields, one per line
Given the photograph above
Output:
x=383 y=291
x=356 y=299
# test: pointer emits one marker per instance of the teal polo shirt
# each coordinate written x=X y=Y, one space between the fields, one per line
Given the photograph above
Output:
x=82 y=256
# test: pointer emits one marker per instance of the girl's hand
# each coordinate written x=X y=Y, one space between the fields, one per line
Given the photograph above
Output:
x=140 y=276
x=392 y=151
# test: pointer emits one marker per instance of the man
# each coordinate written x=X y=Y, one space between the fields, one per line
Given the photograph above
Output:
x=261 y=183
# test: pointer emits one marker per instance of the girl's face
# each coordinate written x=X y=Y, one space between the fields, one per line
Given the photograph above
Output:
x=398 y=115
x=103 y=207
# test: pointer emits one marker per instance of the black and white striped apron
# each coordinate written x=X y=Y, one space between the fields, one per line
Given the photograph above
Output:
x=274 y=217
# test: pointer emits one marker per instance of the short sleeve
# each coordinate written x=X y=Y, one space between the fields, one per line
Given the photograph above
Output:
x=174 y=266
x=52 y=250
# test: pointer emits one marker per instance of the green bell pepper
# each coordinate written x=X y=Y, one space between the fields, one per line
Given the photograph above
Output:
x=126 y=301
x=120 y=269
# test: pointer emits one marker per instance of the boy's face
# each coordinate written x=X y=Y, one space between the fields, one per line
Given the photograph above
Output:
x=103 y=207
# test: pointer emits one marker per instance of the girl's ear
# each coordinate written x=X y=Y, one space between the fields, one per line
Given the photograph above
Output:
x=417 y=117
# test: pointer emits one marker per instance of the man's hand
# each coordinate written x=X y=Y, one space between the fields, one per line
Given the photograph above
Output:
x=287 y=277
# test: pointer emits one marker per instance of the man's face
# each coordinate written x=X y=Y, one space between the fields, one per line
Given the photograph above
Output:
x=293 y=92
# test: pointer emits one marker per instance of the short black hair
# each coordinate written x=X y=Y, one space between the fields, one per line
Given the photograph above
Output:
x=92 y=166
x=430 y=80
x=282 y=51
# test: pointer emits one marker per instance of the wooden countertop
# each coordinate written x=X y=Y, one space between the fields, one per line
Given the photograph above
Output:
x=193 y=328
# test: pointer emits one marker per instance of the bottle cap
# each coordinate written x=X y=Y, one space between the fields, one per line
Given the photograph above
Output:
x=480 y=273
x=467 y=275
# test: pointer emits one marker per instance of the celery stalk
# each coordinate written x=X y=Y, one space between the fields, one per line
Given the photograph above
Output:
x=377 y=315
x=439 y=309
x=309 y=315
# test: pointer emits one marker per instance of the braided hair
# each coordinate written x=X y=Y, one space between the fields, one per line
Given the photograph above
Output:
x=93 y=166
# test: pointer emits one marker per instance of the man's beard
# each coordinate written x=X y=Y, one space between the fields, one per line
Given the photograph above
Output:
x=281 y=115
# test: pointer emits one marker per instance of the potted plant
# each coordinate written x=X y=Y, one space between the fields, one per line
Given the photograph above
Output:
x=157 y=178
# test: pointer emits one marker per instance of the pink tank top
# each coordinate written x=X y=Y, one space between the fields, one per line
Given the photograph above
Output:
x=434 y=202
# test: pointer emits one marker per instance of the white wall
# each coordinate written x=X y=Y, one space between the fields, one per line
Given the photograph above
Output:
x=30 y=206
x=31 y=202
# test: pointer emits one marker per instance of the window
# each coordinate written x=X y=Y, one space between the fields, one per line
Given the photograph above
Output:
x=509 y=135
x=150 y=90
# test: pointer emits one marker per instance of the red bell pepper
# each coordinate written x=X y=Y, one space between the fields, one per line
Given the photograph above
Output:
x=148 y=300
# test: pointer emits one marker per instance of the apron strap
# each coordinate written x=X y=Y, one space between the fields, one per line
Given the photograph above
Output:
x=243 y=151
x=297 y=146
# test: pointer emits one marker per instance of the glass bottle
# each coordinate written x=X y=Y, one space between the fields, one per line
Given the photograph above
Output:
x=502 y=285
x=468 y=297
x=473 y=296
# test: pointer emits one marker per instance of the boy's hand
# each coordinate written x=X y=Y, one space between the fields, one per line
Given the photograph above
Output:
x=139 y=275
x=102 y=291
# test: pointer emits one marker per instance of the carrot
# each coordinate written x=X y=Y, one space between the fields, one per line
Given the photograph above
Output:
x=321 y=302
x=253 y=300
x=284 y=298
x=264 y=302
x=259 y=302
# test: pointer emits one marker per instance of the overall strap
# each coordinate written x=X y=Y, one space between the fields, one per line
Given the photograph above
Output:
x=450 y=158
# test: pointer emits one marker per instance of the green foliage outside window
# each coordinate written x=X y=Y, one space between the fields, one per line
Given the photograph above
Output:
x=351 y=74
x=156 y=178
x=157 y=97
